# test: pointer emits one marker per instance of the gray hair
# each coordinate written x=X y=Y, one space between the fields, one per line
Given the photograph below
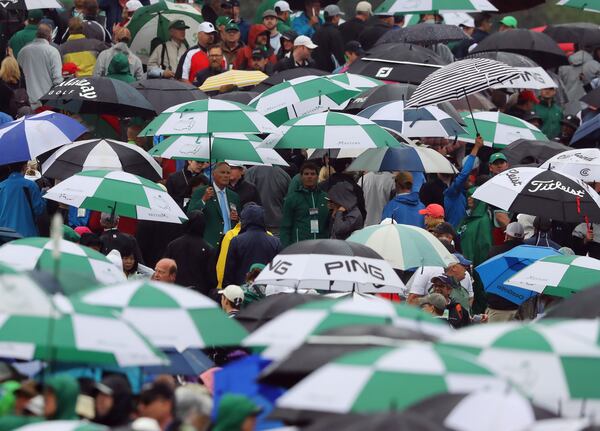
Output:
x=105 y=219
x=44 y=32
x=192 y=401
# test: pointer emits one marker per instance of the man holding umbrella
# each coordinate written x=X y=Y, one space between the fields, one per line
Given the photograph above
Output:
x=164 y=59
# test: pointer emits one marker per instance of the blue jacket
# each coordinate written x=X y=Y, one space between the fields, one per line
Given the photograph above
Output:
x=455 y=199
x=404 y=209
x=15 y=211
x=301 y=25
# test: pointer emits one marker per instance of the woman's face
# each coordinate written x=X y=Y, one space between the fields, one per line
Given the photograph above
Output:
x=445 y=237
x=128 y=262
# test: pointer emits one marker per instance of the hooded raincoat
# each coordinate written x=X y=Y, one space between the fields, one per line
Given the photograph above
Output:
x=345 y=222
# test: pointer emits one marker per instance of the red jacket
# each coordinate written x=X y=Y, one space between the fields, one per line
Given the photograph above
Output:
x=243 y=59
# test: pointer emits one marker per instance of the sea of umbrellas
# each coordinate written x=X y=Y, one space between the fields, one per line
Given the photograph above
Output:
x=352 y=359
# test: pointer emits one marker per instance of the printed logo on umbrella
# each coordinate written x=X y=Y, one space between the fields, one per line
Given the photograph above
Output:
x=551 y=185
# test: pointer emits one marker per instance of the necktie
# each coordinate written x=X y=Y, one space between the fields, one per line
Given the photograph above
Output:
x=224 y=211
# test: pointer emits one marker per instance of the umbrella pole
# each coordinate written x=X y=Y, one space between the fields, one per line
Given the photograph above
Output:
x=471 y=112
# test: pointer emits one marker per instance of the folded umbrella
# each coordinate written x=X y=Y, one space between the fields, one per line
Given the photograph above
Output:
x=237 y=78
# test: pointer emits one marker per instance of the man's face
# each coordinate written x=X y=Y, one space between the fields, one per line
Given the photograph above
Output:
x=548 y=93
x=236 y=174
x=303 y=53
x=288 y=45
x=336 y=20
x=228 y=11
x=162 y=272
x=309 y=178
x=259 y=63
x=261 y=39
x=486 y=25
x=159 y=409
x=103 y=404
x=222 y=175
x=205 y=39
x=498 y=166
x=441 y=288
x=566 y=130
x=351 y=57
x=528 y=105
x=195 y=167
x=270 y=22
x=284 y=16
x=215 y=58
x=177 y=34
x=456 y=271
x=232 y=36
x=445 y=237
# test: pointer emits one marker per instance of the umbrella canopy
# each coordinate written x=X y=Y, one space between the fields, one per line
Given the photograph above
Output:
x=237 y=78
x=170 y=316
x=398 y=62
x=76 y=265
x=101 y=154
x=319 y=350
x=330 y=264
x=403 y=158
x=540 y=47
x=490 y=410
x=260 y=312
x=63 y=426
x=495 y=271
x=499 y=130
x=584 y=37
x=425 y=122
x=330 y=130
x=510 y=58
x=31 y=4
x=514 y=5
x=523 y=151
x=28 y=137
x=118 y=193
x=560 y=276
x=428 y=6
x=583 y=164
x=386 y=93
x=287 y=75
x=356 y=81
x=208 y=116
x=541 y=192
x=98 y=95
x=243 y=97
x=301 y=96
x=459 y=79
x=375 y=422
x=403 y=246
x=550 y=366
x=592 y=98
x=587 y=5
x=280 y=336
x=164 y=93
x=368 y=381
x=584 y=305
x=229 y=147
x=424 y=34
x=588 y=133
x=150 y=24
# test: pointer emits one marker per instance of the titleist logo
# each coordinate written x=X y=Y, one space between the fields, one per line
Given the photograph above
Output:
x=543 y=186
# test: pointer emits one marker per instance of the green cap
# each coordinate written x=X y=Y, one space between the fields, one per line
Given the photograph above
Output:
x=179 y=25
x=497 y=156
x=35 y=14
x=256 y=266
x=222 y=20
x=233 y=410
x=231 y=25
x=509 y=21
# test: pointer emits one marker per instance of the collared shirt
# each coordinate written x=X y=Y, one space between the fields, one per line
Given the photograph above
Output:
x=221 y=196
x=172 y=55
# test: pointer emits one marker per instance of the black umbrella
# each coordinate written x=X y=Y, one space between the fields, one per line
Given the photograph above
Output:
x=527 y=152
x=583 y=36
x=540 y=47
x=98 y=95
x=238 y=96
x=583 y=305
x=164 y=93
x=592 y=98
x=286 y=75
x=324 y=348
x=260 y=312
x=504 y=6
x=389 y=421
x=510 y=58
x=424 y=34
x=477 y=102
x=399 y=62
x=299 y=4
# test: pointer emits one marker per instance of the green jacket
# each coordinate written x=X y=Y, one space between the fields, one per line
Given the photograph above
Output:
x=296 y=219
x=22 y=38
x=551 y=116
x=66 y=389
x=213 y=233
x=119 y=69
x=475 y=232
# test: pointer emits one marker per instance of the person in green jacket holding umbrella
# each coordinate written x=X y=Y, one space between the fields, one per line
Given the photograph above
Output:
x=475 y=230
x=305 y=210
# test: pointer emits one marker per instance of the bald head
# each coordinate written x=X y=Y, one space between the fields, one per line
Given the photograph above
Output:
x=165 y=270
x=44 y=32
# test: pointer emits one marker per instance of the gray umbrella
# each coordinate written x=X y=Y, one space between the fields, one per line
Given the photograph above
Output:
x=424 y=34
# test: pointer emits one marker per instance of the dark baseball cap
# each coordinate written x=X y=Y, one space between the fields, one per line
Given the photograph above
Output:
x=230 y=4
x=289 y=35
x=260 y=53
x=571 y=121
x=354 y=46
x=179 y=24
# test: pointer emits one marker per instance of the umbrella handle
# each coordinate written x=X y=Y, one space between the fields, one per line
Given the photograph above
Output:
x=472 y=116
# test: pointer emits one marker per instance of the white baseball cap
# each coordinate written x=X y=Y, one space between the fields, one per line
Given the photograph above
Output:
x=304 y=41
x=133 y=5
x=206 y=27
x=282 y=6
x=234 y=293
x=364 y=7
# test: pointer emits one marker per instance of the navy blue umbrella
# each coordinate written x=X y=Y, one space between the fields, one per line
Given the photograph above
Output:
x=402 y=158
x=588 y=134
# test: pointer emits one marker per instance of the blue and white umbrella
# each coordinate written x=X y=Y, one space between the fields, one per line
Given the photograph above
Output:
x=28 y=137
x=426 y=122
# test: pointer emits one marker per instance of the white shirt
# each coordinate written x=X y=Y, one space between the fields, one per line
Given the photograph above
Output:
x=275 y=42
x=420 y=282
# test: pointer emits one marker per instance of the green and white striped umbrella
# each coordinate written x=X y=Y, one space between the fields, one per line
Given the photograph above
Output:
x=63 y=426
x=151 y=22
x=428 y=6
x=208 y=116
x=290 y=329
x=384 y=378
x=356 y=81
x=302 y=96
x=170 y=316
x=587 y=5
x=330 y=130
x=118 y=192
x=404 y=246
x=77 y=265
x=236 y=148
x=558 y=275
x=498 y=129
x=551 y=366
x=75 y=333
